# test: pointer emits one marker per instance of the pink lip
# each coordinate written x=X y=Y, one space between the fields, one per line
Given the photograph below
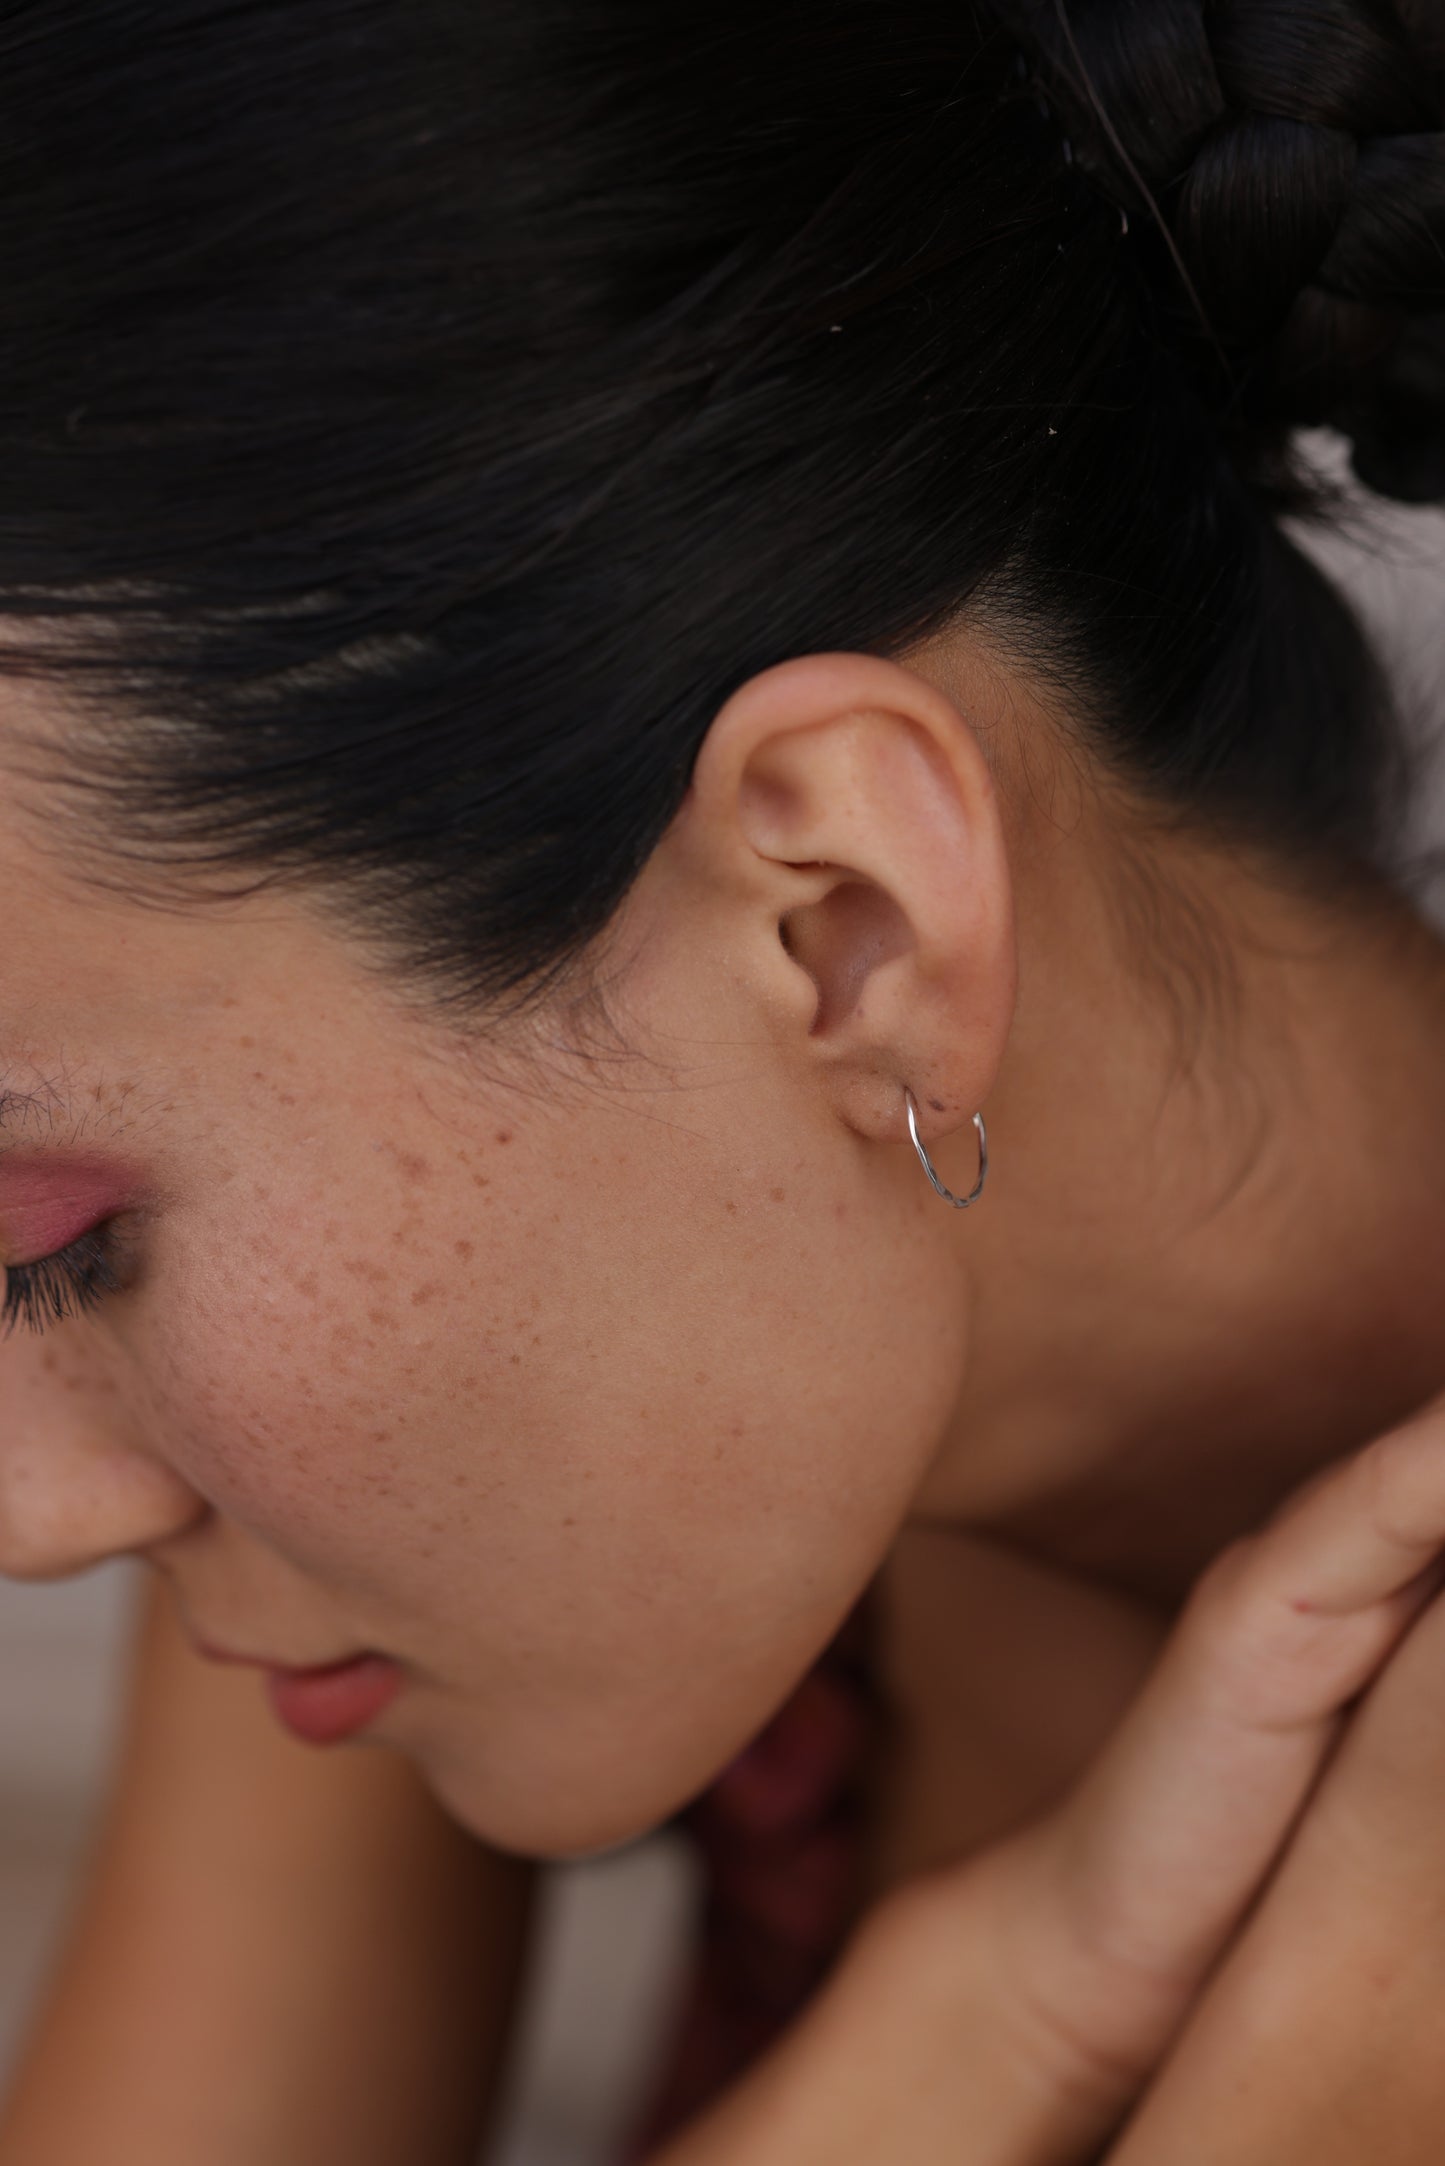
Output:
x=323 y=1706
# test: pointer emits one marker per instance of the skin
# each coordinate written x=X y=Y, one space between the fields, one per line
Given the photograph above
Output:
x=591 y=1366
x=1322 y=2033
x=251 y=1904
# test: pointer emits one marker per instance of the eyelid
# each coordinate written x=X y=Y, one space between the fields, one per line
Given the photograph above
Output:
x=46 y=1202
x=34 y=1245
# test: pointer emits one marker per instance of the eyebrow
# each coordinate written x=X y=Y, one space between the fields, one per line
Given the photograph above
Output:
x=45 y=1106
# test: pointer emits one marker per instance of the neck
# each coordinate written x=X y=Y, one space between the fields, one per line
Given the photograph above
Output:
x=1211 y=1257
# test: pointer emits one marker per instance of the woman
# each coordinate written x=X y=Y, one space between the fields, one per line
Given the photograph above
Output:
x=616 y=638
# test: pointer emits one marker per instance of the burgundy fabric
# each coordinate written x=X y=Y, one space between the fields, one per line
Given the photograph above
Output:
x=780 y=1839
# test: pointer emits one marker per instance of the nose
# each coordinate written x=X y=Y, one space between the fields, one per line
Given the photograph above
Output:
x=74 y=1486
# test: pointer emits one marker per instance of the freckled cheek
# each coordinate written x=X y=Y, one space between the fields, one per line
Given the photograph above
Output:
x=338 y=1395
x=258 y=1432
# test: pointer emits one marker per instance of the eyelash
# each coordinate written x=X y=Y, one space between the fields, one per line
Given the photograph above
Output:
x=71 y=1282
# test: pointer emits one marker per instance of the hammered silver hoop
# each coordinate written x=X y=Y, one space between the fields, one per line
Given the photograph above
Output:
x=960 y=1203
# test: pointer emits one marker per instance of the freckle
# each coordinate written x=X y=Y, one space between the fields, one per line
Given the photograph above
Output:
x=701 y=1377
x=569 y=1522
x=381 y=1436
x=248 y=1043
x=461 y=1481
x=504 y=1135
x=422 y=1294
x=378 y=1317
x=413 y=1165
x=258 y=1075
x=479 y=1180
x=466 y=1250
x=308 y=1284
x=778 y=1195
x=515 y=1360
x=731 y=1206
x=287 y=1098
x=736 y=1429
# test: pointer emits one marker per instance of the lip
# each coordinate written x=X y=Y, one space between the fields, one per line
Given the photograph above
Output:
x=323 y=1706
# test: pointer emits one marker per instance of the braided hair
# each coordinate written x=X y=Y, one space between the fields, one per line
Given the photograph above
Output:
x=418 y=419
x=1288 y=171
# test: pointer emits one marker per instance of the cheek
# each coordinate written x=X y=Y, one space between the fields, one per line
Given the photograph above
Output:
x=609 y=1480
x=614 y=1402
x=376 y=1400
x=307 y=1388
x=653 y=1384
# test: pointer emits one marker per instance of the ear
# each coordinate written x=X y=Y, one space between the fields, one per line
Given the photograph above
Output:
x=846 y=808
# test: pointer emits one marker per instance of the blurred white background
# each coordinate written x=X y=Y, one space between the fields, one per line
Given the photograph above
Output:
x=612 y=1929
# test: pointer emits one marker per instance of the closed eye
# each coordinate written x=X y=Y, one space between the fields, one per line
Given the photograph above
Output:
x=75 y=1279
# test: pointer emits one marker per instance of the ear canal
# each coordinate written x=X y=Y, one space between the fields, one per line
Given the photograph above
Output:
x=840 y=940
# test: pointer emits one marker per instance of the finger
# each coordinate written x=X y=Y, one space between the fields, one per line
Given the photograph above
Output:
x=1365 y=1528
x=1158 y=1852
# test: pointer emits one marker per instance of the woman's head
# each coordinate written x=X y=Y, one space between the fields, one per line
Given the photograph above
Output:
x=471 y=478
x=587 y=1365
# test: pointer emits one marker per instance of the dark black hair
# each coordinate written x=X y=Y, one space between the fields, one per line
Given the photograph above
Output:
x=417 y=416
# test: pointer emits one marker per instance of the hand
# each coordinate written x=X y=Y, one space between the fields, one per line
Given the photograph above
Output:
x=1318 y=2041
x=1009 y=2012
x=1155 y=1856
x=1111 y=1911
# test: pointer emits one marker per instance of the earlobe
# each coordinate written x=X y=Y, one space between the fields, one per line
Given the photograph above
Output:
x=855 y=805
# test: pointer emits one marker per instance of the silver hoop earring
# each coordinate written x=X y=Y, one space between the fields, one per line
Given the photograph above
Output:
x=960 y=1203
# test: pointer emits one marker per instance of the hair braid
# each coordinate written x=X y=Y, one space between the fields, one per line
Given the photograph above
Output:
x=1293 y=156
